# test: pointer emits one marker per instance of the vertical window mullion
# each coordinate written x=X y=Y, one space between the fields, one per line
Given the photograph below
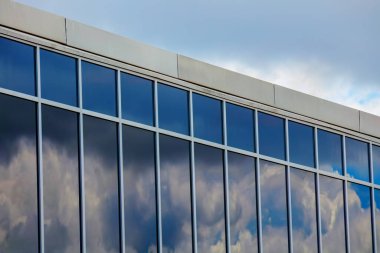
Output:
x=192 y=182
x=158 y=180
x=373 y=205
x=317 y=191
x=39 y=153
x=120 y=158
x=81 y=161
x=226 y=193
x=345 y=184
x=288 y=191
x=258 y=191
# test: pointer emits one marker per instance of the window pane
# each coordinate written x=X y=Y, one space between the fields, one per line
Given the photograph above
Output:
x=273 y=207
x=359 y=213
x=17 y=66
x=175 y=195
x=18 y=176
x=357 y=156
x=101 y=185
x=332 y=214
x=137 y=99
x=376 y=164
x=210 y=199
x=301 y=144
x=61 y=183
x=99 y=88
x=207 y=118
x=242 y=196
x=240 y=127
x=304 y=211
x=58 y=77
x=330 y=152
x=377 y=216
x=173 y=109
x=272 y=136
x=139 y=190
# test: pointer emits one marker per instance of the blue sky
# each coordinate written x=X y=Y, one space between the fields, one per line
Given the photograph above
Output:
x=327 y=48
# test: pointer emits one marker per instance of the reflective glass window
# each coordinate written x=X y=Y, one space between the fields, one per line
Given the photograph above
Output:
x=139 y=190
x=207 y=118
x=332 y=214
x=240 y=127
x=273 y=207
x=357 y=156
x=175 y=195
x=377 y=216
x=61 y=182
x=210 y=199
x=301 y=144
x=376 y=164
x=359 y=214
x=17 y=66
x=330 y=151
x=101 y=185
x=58 y=77
x=242 y=197
x=137 y=103
x=18 y=176
x=304 y=211
x=99 y=88
x=271 y=136
x=173 y=109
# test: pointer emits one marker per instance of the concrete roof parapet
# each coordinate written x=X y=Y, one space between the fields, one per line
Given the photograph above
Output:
x=57 y=29
x=120 y=48
x=223 y=80
x=33 y=21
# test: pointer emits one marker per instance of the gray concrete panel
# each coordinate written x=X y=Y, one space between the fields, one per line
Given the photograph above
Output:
x=316 y=108
x=224 y=80
x=369 y=124
x=33 y=21
x=120 y=48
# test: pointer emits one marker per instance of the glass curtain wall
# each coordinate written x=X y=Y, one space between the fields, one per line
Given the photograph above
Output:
x=97 y=159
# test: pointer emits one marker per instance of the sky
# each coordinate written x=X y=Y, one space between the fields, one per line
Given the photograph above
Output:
x=325 y=48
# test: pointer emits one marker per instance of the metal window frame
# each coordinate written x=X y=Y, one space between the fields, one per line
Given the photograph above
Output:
x=191 y=88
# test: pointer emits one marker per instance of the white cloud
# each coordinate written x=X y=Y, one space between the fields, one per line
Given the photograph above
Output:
x=315 y=78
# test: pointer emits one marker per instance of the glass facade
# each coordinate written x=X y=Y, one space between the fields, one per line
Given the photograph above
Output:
x=135 y=164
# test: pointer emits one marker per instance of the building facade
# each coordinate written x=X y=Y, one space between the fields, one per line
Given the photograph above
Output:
x=109 y=145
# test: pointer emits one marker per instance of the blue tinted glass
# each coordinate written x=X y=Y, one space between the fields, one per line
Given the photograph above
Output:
x=240 y=127
x=17 y=66
x=61 y=179
x=332 y=214
x=242 y=205
x=330 y=152
x=377 y=216
x=140 y=217
x=359 y=214
x=301 y=144
x=58 y=77
x=357 y=157
x=304 y=211
x=210 y=206
x=272 y=136
x=207 y=118
x=99 y=88
x=101 y=185
x=175 y=194
x=18 y=176
x=173 y=109
x=376 y=164
x=273 y=207
x=137 y=99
